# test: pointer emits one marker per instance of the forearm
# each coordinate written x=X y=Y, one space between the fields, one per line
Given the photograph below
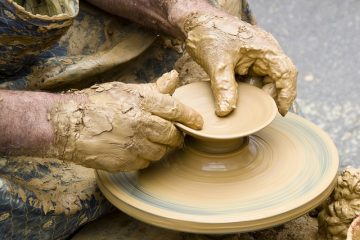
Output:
x=165 y=16
x=24 y=125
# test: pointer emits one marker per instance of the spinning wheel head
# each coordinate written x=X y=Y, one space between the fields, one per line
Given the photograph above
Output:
x=255 y=109
x=222 y=182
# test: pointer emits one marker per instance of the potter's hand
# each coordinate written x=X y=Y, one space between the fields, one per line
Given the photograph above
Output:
x=121 y=127
x=224 y=45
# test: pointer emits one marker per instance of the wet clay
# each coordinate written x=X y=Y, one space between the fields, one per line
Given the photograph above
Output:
x=121 y=127
x=224 y=45
x=26 y=33
x=48 y=8
x=236 y=8
x=167 y=83
x=342 y=207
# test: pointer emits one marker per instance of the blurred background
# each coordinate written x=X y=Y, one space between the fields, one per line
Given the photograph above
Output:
x=323 y=40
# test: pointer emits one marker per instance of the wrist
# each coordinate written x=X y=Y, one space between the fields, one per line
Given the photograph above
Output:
x=65 y=116
x=24 y=123
x=180 y=11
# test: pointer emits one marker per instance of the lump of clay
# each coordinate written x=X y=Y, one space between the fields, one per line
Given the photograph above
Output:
x=342 y=207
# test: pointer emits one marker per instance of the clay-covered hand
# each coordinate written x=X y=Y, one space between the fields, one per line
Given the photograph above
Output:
x=224 y=45
x=121 y=127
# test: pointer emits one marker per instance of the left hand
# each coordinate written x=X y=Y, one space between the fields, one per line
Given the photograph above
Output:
x=120 y=127
x=224 y=45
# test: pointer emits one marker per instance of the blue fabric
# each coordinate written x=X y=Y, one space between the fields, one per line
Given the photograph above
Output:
x=22 y=40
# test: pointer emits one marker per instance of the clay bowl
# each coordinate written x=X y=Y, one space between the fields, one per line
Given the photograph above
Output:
x=251 y=170
x=254 y=111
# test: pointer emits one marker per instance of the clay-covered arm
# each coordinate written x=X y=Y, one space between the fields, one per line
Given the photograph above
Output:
x=24 y=125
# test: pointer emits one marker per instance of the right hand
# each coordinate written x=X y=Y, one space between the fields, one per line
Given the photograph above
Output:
x=122 y=127
x=224 y=45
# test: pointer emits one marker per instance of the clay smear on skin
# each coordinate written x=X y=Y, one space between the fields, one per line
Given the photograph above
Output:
x=114 y=129
x=251 y=49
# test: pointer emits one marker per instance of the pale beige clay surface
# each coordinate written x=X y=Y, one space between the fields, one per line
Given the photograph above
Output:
x=254 y=111
x=232 y=185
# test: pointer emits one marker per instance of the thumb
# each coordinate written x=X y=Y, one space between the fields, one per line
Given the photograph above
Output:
x=168 y=82
x=225 y=90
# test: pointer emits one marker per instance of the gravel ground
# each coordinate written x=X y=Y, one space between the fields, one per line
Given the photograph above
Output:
x=118 y=226
x=322 y=38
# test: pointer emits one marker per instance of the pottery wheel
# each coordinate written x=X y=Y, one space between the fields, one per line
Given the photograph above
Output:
x=240 y=173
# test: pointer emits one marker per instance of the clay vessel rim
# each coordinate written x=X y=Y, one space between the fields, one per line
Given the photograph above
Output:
x=267 y=102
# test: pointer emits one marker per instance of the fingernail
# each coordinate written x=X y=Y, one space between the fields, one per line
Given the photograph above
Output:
x=199 y=122
x=224 y=108
x=167 y=83
x=283 y=112
x=226 y=100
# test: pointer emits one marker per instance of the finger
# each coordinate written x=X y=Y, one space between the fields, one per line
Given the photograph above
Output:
x=225 y=90
x=161 y=131
x=165 y=84
x=171 y=109
x=286 y=84
x=132 y=165
x=243 y=66
x=284 y=74
x=287 y=94
x=270 y=89
x=148 y=150
x=168 y=82
x=260 y=67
